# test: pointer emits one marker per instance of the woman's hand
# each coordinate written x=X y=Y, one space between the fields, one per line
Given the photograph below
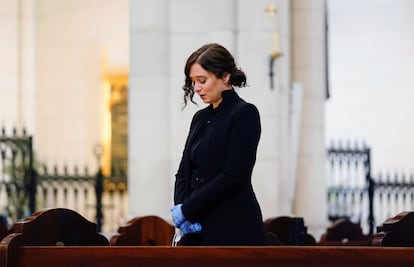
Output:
x=177 y=215
x=189 y=228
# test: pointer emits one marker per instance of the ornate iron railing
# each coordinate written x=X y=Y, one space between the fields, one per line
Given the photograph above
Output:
x=25 y=188
x=354 y=193
x=16 y=175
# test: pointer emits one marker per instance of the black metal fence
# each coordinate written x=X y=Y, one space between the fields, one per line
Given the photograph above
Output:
x=17 y=180
x=25 y=188
x=354 y=193
x=100 y=198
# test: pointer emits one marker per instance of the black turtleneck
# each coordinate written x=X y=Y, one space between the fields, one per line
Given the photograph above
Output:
x=197 y=157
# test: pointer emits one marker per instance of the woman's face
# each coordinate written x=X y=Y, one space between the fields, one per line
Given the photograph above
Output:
x=207 y=85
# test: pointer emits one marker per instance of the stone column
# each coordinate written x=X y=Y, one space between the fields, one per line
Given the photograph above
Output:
x=285 y=119
x=308 y=68
x=255 y=46
x=148 y=107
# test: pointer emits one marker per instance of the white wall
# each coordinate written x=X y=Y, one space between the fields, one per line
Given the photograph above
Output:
x=17 y=65
x=372 y=79
x=148 y=161
x=73 y=39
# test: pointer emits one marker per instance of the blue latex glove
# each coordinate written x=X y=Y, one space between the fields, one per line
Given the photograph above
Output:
x=189 y=228
x=177 y=215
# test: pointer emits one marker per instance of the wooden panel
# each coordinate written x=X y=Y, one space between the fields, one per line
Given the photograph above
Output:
x=214 y=256
x=144 y=231
x=396 y=232
x=58 y=226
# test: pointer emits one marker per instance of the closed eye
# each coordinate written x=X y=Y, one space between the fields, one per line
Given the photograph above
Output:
x=198 y=80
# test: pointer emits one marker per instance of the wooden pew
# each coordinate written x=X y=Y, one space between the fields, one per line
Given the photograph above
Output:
x=396 y=232
x=144 y=231
x=290 y=231
x=161 y=256
x=343 y=232
x=61 y=244
x=50 y=227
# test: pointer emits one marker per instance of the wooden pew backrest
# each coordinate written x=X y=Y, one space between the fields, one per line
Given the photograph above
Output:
x=266 y=256
x=144 y=231
x=343 y=232
x=396 y=232
x=58 y=226
x=50 y=227
x=289 y=231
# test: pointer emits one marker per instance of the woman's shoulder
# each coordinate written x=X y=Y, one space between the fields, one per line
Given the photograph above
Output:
x=244 y=106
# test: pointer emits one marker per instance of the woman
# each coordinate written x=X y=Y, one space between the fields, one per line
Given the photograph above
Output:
x=214 y=200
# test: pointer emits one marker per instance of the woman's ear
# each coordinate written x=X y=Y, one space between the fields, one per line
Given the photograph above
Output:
x=226 y=77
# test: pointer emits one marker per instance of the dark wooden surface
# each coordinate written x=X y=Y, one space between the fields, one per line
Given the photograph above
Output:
x=58 y=226
x=396 y=232
x=144 y=231
x=289 y=231
x=213 y=256
x=4 y=231
x=49 y=227
x=343 y=232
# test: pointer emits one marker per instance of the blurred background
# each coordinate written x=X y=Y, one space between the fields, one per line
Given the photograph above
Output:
x=371 y=79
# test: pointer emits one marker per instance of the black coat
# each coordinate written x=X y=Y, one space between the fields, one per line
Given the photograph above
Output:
x=221 y=197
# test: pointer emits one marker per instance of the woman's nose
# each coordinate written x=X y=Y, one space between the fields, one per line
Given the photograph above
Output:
x=197 y=87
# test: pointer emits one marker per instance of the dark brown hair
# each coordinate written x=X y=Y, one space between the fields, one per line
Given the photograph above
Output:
x=216 y=59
